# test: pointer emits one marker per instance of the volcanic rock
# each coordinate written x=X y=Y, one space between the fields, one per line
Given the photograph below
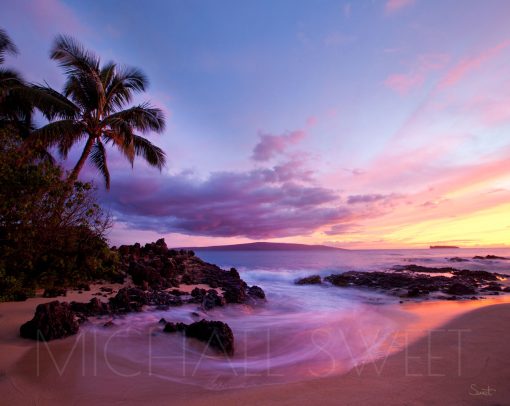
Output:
x=460 y=289
x=211 y=299
x=256 y=292
x=51 y=321
x=174 y=327
x=128 y=300
x=491 y=257
x=309 y=280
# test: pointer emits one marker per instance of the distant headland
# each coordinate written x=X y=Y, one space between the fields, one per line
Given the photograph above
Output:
x=266 y=246
x=443 y=246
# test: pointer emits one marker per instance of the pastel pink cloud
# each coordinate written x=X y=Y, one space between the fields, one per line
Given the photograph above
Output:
x=496 y=113
x=395 y=5
x=51 y=16
x=311 y=121
x=403 y=83
x=468 y=65
x=271 y=145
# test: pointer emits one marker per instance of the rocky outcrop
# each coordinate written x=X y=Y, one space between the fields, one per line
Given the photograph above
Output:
x=51 y=321
x=155 y=270
x=478 y=276
x=256 y=292
x=385 y=280
x=93 y=308
x=156 y=267
x=422 y=269
x=125 y=301
x=417 y=292
x=491 y=257
x=458 y=259
x=493 y=287
x=481 y=276
x=163 y=299
x=129 y=300
x=309 y=280
x=147 y=273
x=412 y=281
x=460 y=289
x=174 y=327
x=211 y=299
x=216 y=334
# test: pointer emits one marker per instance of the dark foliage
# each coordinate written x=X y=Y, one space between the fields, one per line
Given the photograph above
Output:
x=35 y=250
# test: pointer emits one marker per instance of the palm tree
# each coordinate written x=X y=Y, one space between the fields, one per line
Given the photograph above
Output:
x=13 y=111
x=93 y=108
x=18 y=101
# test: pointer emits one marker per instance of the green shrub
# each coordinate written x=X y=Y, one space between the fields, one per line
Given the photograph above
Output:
x=41 y=243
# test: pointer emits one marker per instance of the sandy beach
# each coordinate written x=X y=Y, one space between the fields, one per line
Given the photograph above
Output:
x=465 y=361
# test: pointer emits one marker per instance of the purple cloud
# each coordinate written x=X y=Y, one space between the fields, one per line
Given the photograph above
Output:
x=343 y=228
x=271 y=145
x=258 y=204
x=372 y=198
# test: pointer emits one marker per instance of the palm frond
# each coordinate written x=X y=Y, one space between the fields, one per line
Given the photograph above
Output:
x=51 y=103
x=142 y=118
x=122 y=138
x=83 y=67
x=73 y=57
x=62 y=134
x=12 y=104
x=150 y=152
x=107 y=73
x=16 y=110
x=98 y=158
x=16 y=114
x=9 y=79
x=6 y=46
x=123 y=85
x=84 y=90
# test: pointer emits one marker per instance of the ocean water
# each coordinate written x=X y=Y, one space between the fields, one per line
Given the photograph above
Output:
x=301 y=332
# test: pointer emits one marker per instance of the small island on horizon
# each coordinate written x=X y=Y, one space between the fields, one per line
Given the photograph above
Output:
x=442 y=246
x=266 y=246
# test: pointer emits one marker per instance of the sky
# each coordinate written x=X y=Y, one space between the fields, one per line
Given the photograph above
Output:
x=356 y=124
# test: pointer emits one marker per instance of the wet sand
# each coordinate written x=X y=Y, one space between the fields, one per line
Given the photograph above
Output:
x=465 y=361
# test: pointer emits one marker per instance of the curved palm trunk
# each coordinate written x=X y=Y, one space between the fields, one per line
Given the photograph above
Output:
x=73 y=176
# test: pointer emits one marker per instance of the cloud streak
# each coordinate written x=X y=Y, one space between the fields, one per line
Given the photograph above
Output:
x=370 y=198
x=468 y=65
x=404 y=83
